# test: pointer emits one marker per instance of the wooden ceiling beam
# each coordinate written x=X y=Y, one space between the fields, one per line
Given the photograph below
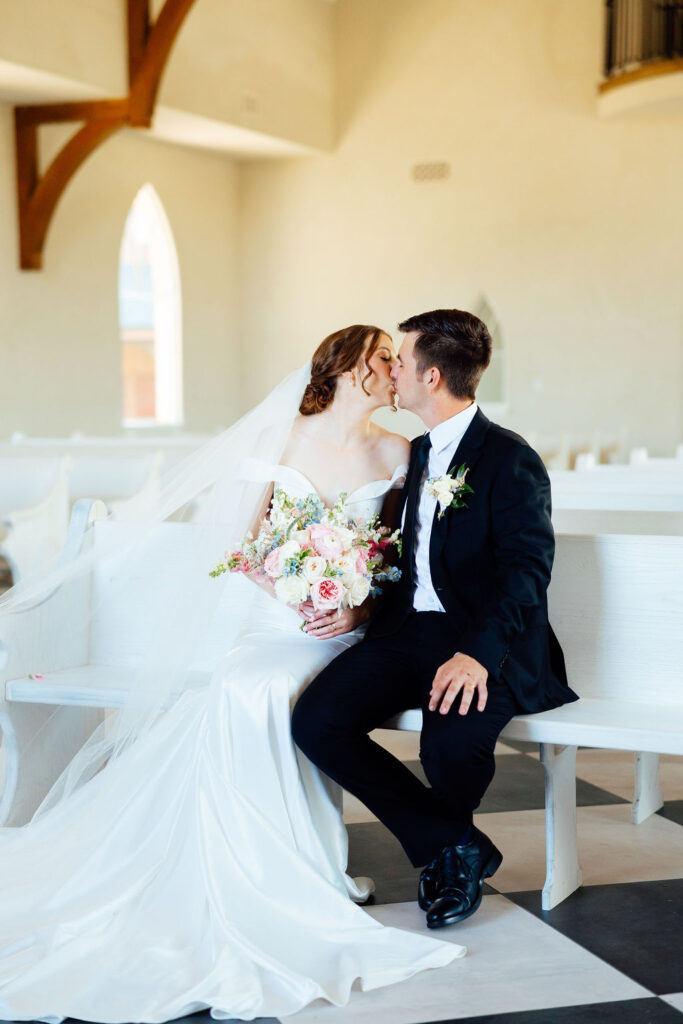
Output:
x=149 y=46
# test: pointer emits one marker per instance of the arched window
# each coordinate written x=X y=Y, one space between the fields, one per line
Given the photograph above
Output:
x=150 y=316
x=492 y=390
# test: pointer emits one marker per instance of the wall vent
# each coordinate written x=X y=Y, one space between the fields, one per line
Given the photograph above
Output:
x=437 y=171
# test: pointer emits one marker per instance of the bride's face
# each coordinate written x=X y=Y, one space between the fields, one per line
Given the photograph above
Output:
x=381 y=362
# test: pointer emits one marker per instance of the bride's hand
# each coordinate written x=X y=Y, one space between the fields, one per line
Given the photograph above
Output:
x=325 y=625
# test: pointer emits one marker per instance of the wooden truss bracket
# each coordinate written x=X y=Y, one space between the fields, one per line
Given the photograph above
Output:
x=149 y=46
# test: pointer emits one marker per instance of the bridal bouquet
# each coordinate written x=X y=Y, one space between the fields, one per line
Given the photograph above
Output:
x=311 y=551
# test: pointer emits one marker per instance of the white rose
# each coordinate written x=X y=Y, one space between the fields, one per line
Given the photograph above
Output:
x=313 y=568
x=443 y=492
x=287 y=550
x=345 y=536
x=346 y=565
x=291 y=589
x=359 y=590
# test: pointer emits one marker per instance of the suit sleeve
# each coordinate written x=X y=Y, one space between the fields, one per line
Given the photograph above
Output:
x=523 y=551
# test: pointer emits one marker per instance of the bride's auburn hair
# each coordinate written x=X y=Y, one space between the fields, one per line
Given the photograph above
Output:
x=337 y=354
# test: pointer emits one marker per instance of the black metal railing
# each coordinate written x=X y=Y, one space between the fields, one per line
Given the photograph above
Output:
x=640 y=32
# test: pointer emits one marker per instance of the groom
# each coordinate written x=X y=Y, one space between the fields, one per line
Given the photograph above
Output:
x=464 y=635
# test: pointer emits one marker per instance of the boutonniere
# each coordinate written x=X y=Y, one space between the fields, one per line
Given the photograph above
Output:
x=449 y=490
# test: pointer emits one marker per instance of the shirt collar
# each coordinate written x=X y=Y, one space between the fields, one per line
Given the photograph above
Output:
x=450 y=432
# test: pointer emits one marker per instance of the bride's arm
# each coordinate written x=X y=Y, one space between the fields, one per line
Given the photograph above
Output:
x=260 y=578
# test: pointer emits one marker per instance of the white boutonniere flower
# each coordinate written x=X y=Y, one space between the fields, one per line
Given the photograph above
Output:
x=449 y=490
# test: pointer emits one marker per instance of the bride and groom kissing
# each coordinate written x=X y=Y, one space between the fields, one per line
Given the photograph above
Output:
x=204 y=865
x=464 y=635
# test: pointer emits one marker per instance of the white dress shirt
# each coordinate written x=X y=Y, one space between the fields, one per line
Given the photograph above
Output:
x=445 y=438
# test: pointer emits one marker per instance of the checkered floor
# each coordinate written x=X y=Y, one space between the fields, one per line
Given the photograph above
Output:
x=612 y=952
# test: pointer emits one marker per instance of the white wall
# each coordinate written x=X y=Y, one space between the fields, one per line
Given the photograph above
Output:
x=60 y=359
x=264 y=65
x=569 y=224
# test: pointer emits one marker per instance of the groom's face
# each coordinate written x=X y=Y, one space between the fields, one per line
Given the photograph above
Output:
x=407 y=382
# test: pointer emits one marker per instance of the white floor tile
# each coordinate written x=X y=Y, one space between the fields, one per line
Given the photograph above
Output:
x=611 y=849
x=514 y=962
x=675 y=1000
x=502 y=748
x=355 y=811
x=404 y=745
x=613 y=770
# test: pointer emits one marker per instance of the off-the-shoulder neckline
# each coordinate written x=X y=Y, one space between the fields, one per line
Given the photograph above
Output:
x=400 y=470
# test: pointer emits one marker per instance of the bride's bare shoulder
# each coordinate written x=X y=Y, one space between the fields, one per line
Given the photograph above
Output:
x=394 y=447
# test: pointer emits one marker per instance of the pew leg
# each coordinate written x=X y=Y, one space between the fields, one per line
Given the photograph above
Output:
x=563 y=874
x=647 y=796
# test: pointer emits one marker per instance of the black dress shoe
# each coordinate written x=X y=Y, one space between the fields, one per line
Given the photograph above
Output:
x=426 y=890
x=461 y=872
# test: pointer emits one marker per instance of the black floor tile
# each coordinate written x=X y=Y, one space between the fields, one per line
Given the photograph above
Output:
x=628 y=1011
x=636 y=927
x=519 y=785
x=374 y=851
x=673 y=810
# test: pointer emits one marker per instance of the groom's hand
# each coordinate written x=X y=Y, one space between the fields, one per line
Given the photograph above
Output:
x=459 y=673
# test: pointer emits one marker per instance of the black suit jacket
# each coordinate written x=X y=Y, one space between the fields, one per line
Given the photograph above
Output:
x=490 y=565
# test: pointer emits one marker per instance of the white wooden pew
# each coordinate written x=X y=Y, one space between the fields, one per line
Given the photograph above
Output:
x=615 y=602
x=617 y=487
x=174 y=447
x=639 y=459
x=113 y=474
x=113 y=477
x=73 y=641
x=34 y=512
x=600 y=520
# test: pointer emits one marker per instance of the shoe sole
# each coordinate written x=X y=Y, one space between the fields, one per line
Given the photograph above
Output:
x=494 y=862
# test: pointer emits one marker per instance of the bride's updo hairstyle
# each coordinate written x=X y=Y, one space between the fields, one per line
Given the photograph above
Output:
x=338 y=353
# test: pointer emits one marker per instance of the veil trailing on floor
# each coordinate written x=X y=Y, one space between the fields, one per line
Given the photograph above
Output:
x=206 y=502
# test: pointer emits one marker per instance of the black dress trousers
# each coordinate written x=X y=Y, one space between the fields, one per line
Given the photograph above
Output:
x=365 y=686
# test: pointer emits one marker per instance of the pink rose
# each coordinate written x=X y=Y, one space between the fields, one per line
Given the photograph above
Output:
x=362 y=557
x=325 y=541
x=272 y=563
x=327 y=594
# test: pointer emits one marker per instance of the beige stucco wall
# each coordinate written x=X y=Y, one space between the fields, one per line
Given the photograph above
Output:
x=568 y=223
x=60 y=359
x=264 y=65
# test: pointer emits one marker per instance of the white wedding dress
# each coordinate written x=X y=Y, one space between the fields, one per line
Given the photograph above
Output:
x=218 y=877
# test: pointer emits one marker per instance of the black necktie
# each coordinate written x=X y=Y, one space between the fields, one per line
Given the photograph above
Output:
x=411 y=503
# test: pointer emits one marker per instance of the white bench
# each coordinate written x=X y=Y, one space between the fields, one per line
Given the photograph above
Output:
x=111 y=473
x=599 y=520
x=615 y=602
x=618 y=487
x=80 y=654
x=34 y=512
x=640 y=459
x=174 y=446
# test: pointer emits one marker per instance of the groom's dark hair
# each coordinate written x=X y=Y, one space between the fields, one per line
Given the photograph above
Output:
x=456 y=342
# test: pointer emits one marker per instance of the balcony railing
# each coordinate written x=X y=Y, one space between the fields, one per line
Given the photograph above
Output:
x=642 y=33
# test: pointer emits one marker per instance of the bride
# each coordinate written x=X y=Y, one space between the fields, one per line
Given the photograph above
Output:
x=204 y=864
